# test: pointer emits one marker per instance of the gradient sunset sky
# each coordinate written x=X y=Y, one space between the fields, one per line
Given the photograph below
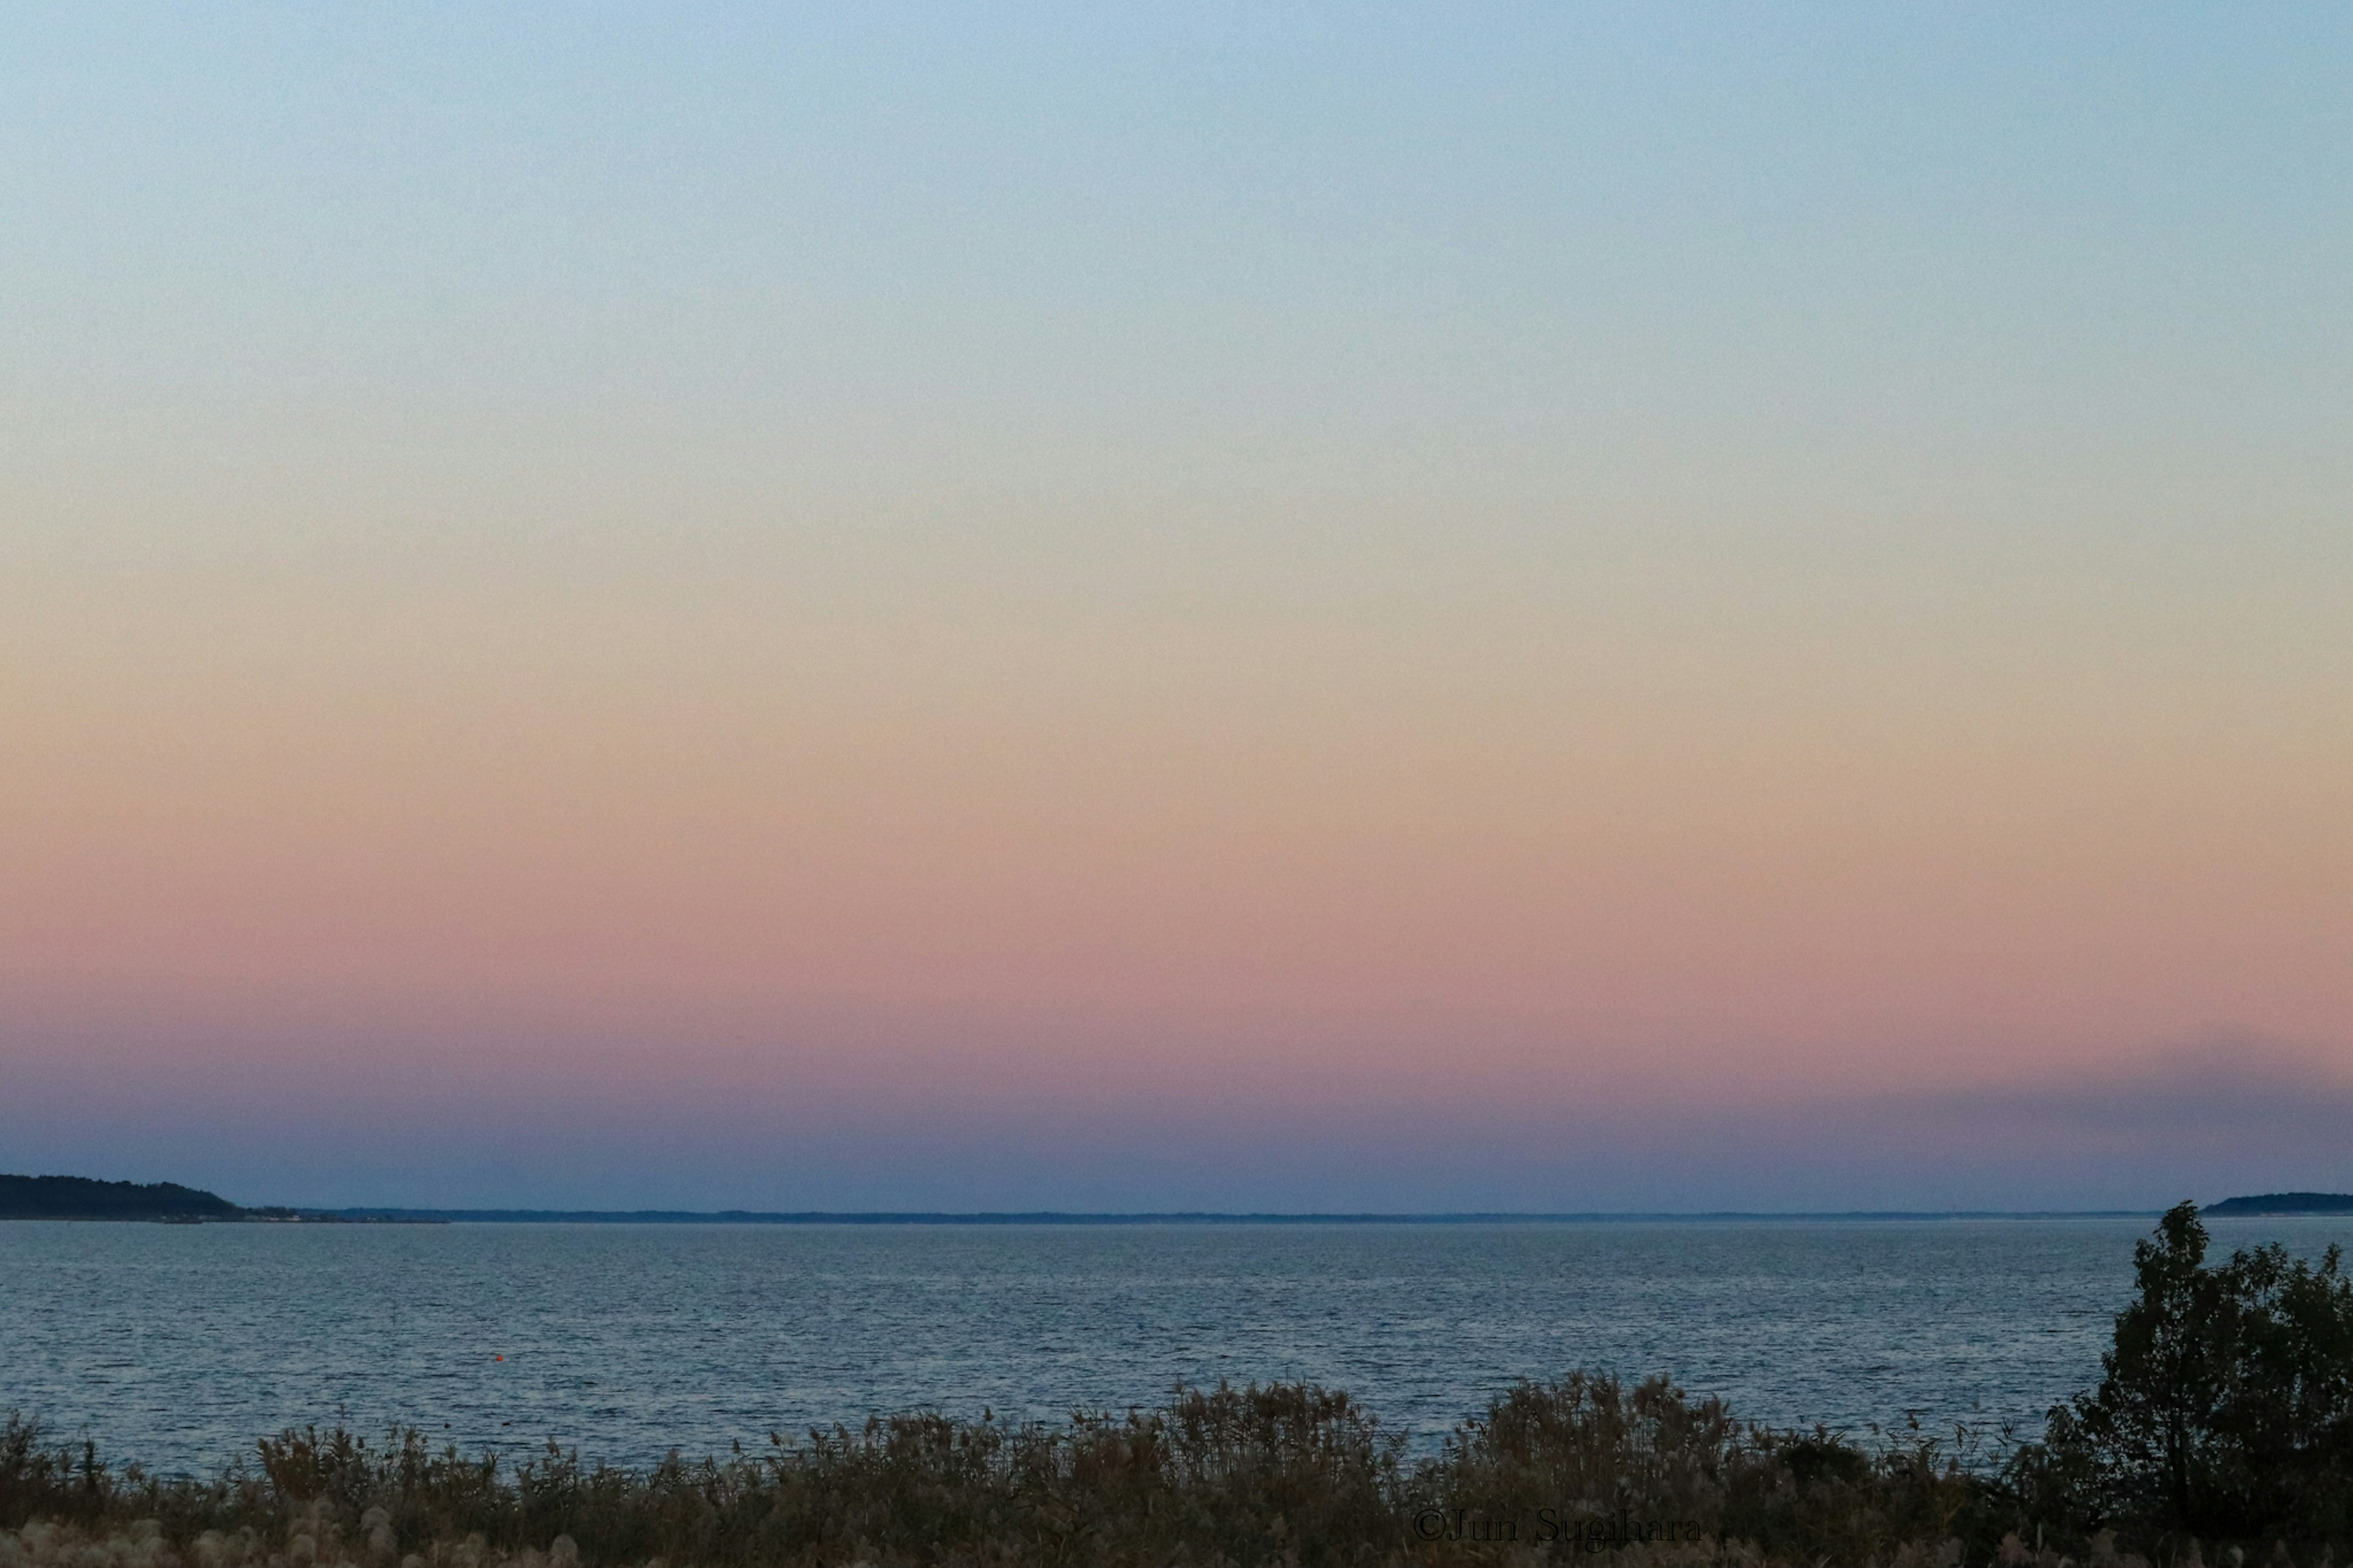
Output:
x=1544 y=607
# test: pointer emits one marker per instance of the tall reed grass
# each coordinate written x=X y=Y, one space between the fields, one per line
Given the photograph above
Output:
x=1583 y=1466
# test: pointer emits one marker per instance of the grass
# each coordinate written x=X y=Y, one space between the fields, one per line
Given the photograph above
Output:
x=1282 y=1473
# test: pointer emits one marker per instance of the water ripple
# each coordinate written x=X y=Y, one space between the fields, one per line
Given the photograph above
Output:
x=178 y=1344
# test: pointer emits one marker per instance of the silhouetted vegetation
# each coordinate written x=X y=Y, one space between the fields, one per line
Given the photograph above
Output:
x=2226 y=1407
x=2282 y=1203
x=78 y=1197
x=2219 y=1430
x=1277 y=1474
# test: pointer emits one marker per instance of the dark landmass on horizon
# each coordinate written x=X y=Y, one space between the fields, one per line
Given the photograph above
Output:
x=2283 y=1204
x=83 y=1198
x=165 y=1203
x=79 y=1197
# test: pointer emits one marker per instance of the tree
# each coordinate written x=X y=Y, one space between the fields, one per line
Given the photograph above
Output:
x=2225 y=1407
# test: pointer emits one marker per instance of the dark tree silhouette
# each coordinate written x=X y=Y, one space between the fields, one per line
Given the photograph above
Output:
x=2226 y=1405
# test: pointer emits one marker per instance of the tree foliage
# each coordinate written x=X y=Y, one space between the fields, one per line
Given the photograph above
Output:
x=2225 y=1407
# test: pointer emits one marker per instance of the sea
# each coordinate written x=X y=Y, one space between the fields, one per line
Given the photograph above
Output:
x=177 y=1346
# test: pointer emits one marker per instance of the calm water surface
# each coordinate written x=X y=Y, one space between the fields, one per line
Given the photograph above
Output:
x=178 y=1345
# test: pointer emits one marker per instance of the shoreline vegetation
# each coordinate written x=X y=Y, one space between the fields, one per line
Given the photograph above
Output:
x=78 y=1197
x=2280 y=1204
x=2221 y=1431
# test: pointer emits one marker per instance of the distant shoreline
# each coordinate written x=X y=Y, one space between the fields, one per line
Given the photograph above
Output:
x=2278 y=1203
x=1057 y=1217
x=68 y=1198
x=1203 y=1218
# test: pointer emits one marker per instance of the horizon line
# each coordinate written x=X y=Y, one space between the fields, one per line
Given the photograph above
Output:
x=1176 y=1216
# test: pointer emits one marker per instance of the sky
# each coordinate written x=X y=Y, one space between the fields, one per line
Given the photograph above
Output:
x=1539 y=607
